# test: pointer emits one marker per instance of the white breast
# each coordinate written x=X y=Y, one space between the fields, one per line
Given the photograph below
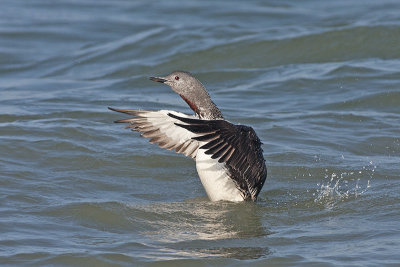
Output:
x=214 y=177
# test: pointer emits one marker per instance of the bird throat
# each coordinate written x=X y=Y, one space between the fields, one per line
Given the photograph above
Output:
x=191 y=105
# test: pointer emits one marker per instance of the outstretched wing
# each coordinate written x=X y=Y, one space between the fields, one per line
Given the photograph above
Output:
x=236 y=145
x=162 y=130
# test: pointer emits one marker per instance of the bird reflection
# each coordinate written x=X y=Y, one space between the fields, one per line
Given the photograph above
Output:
x=200 y=228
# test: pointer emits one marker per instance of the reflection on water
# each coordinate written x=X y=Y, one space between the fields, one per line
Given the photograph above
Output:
x=200 y=228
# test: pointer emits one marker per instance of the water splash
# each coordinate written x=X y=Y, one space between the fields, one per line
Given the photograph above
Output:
x=341 y=186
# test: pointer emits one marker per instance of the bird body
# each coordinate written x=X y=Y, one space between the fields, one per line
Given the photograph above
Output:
x=228 y=157
x=213 y=175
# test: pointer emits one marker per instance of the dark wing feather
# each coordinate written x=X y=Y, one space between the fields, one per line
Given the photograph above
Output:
x=235 y=145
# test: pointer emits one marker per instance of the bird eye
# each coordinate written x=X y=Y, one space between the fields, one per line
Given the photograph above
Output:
x=177 y=78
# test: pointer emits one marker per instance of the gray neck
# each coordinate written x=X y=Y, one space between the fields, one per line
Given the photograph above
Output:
x=203 y=105
x=210 y=111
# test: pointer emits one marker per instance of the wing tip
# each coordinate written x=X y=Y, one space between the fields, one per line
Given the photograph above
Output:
x=117 y=110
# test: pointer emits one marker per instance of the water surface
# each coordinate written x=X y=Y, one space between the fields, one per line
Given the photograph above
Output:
x=318 y=81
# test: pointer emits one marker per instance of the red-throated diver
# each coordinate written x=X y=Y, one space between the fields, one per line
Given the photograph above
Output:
x=229 y=158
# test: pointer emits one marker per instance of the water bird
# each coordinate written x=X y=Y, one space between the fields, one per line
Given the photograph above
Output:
x=229 y=158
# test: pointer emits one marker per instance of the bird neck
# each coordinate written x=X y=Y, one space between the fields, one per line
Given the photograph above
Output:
x=202 y=105
x=210 y=111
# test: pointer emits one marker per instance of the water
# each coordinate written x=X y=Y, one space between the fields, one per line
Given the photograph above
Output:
x=319 y=82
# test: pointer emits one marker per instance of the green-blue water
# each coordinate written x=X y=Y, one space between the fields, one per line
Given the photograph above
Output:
x=319 y=81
